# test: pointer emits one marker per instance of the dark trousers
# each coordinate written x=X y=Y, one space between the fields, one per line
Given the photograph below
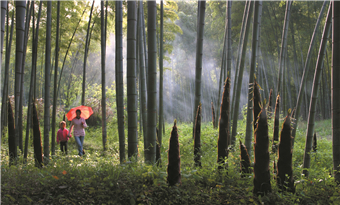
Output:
x=62 y=146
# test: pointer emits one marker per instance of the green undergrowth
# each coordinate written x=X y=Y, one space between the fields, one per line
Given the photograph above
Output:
x=99 y=178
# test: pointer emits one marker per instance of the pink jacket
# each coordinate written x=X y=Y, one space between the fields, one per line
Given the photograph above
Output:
x=78 y=125
x=62 y=135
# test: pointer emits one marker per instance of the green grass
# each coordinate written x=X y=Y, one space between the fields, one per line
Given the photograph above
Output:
x=99 y=178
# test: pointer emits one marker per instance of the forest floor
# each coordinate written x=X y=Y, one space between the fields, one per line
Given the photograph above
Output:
x=99 y=178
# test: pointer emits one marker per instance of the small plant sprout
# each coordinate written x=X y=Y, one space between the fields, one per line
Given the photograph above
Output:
x=197 y=137
x=261 y=154
x=174 y=158
x=38 y=154
x=223 y=133
x=245 y=161
x=276 y=124
x=284 y=178
x=314 y=147
x=256 y=103
x=11 y=134
x=213 y=113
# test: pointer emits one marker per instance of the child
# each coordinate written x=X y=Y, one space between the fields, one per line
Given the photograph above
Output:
x=62 y=136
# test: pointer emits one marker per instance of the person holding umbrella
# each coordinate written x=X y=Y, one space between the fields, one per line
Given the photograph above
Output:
x=78 y=123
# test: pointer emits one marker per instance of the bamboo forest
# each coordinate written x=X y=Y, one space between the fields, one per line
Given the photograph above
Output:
x=170 y=102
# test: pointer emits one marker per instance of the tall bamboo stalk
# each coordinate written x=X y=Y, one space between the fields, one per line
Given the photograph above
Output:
x=283 y=47
x=131 y=80
x=247 y=3
x=68 y=48
x=250 y=117
x=54 y=111
x=228 y=10
x=31 y=88
x=160 y=122
x=336 y=90
x=223 y=72
x=27 y=26
x=85 y=55
x=240 y=75
x=120 y=79
x=142 y=80
x=145 y=44
x=103 y=57
x=315 y=90
x=3 y=17
x=150 y=138
x=199 y=57
x=305 y=73
x=6 y=80
x=47 y=83
x=20 y=7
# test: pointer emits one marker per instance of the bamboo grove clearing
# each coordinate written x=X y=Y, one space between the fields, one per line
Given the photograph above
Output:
x=185 y=111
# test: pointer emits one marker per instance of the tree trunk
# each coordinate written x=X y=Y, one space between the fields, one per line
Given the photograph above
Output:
x=86 y=53
x=20 y=7
x=103 y=57
x=335 y=91
x=250 y=117
x=315 y=90
x=150 y=138
x=199 y=57
x=55 y=80
x=240 y=75
x=131 y=80
x=160 y=122
x=119 y=79
x=305 y=73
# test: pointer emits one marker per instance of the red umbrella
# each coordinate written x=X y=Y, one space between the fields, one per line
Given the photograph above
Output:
x=86 y=112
